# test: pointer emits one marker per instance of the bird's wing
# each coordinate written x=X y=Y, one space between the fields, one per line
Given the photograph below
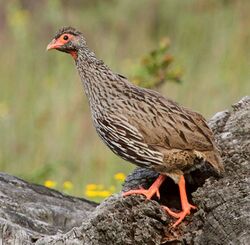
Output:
x=165 y=124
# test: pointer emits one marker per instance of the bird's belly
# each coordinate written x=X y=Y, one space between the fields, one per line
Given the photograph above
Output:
x=133 y=151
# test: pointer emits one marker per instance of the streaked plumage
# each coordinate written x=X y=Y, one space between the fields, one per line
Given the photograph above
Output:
x=138 y=124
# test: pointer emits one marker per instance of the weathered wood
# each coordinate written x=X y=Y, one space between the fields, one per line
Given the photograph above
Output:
x=32 y=214
x=29 y=211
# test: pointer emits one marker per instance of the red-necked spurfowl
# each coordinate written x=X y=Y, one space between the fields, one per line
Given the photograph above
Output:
x=141 y=125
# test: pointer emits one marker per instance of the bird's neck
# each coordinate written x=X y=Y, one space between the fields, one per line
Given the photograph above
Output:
x=87 y=57
x=101 y=85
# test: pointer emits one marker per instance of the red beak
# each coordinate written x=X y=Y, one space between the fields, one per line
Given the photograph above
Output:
x=54 y=44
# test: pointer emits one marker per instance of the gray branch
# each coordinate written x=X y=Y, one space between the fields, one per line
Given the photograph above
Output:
x=33 y=214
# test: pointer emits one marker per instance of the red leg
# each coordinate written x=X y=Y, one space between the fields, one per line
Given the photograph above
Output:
x=154 y=189
x=186 y=206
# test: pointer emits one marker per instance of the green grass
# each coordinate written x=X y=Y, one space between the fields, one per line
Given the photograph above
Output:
x=45 y=126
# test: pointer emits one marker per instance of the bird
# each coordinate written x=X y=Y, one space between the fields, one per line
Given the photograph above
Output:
x=141 y=125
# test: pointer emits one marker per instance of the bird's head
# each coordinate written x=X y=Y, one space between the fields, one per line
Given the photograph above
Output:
x=68 y=40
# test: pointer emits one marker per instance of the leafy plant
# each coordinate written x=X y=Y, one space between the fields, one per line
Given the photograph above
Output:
x=155 y=68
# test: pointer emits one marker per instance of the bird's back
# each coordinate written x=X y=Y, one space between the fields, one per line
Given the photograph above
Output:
x=152 y=131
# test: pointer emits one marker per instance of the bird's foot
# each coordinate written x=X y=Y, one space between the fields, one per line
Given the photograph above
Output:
x=181 y=215
x=153 y=189
x=147 y=193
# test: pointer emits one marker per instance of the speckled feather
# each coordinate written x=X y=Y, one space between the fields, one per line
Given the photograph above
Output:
x=141 y=125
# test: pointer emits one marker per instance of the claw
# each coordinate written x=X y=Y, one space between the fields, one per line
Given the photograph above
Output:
x=181 y=215
x=186 y=206
x=158 y=194
x=148 y=194
x=153 y=190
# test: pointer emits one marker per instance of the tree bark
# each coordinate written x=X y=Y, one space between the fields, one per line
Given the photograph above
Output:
x=33 y=214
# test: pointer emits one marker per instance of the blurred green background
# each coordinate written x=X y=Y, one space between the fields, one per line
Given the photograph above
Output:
x=45 y=127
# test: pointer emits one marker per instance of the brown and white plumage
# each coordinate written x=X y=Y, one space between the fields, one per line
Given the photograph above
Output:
x=138 y=124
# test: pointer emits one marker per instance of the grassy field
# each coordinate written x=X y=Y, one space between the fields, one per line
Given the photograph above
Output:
x=45 y=128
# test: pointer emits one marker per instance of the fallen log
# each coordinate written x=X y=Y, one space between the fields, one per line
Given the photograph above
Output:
x=33 y=214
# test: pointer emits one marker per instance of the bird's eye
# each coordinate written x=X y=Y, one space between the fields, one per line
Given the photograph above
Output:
x=65 y=37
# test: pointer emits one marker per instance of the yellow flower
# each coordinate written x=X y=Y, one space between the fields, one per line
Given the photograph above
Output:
x=103 y=193
x=94 y=190
x=120 y=176
x=49 y=183
x=90 y=193
x=91 y=187
x=67 y=185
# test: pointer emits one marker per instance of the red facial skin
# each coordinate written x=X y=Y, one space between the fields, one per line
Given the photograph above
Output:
x=73 y=54
x=57 y=43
